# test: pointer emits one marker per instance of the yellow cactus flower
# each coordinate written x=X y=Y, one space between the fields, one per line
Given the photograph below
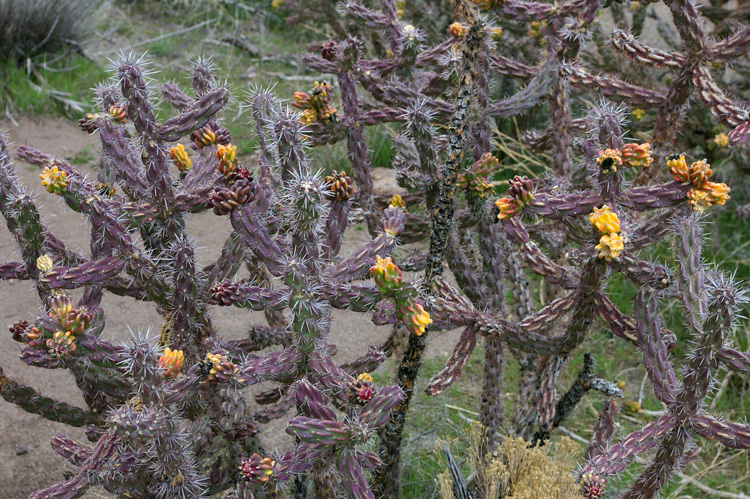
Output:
x=181 y=158
x=632 y=406
x=721 y=140
x=54 y=180
x=638 y=114
x=605 y=220
x=709 y=194
x=171 y=361
x=610 y=246
x=458 y=30
x=608 y=160
x=365 y=377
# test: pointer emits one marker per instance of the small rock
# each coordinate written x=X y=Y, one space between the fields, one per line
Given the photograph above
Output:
x=20 y=450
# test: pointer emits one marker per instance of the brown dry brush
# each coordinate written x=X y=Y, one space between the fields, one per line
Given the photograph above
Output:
x=167 y=416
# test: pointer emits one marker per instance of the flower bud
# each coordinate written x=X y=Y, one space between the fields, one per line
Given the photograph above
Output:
x=256 y=470
x=181 y=158
x=386 y=274
x=203 y=137
x=397 y=202
x=219 y=367
x=171 y=361
x=89 y=122
x=521 y=189
x=227 y=156
x=592 y=486
x=339 y=185
x=637 y=155
x=678 y=167
x=119 y=112
x=700 y=172
x=414 y=317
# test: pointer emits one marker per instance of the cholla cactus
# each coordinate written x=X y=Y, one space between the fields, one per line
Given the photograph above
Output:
x=168 y=419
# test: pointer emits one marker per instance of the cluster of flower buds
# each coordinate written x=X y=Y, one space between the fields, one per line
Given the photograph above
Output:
x=704 y=192
x=180 y=157
x=236 y=188
x=316 y=105
x=521 y=193
x=476 y=180
x=721 y=140
x=75 y=320
x=118 y=112
x=54 y=180
x=592 y=486
x=386 y=274
x=389 y=281
x=607 y=223
x=171 y=361
x=59 y=333
x=256 y=469
x=340 y=186
x=458 y=30
x=363 y=389
x=89 y=122
x=216 y=367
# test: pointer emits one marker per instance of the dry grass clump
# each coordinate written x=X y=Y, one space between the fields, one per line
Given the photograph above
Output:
x=32 y=26
x=518 y=471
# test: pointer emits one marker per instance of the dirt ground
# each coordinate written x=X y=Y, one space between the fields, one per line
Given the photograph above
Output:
x=27 y=461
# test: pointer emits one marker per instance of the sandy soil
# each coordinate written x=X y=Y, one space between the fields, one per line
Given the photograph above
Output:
x=27 y=460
